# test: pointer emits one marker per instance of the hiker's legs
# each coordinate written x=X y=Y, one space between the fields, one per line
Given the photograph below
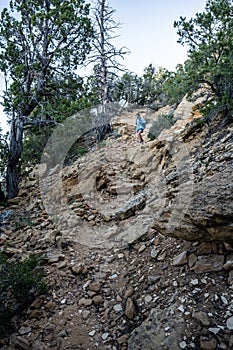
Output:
x=140 y=135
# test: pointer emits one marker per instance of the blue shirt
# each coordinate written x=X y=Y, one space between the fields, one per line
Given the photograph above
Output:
x=140 y=123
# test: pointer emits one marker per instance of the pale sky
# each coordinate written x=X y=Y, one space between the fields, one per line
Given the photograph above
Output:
x=147 y=31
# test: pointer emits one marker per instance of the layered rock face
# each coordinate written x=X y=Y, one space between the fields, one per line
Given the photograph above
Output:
x=199 y=183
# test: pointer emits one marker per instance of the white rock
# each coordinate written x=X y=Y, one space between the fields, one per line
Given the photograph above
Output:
x=91 y=334
x=224 y=300
x=183 y=345
x=105 y=336
x=194 y=282
x=181 y=308
x=148 y=298
x=214 y=330
x=117 y=308
x=230 y=323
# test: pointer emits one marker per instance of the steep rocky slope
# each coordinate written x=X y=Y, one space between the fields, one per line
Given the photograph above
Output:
x=112 y=227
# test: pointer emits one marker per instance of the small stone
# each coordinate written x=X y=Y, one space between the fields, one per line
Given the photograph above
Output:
x=95 y=286
x=37 y=303
x=154 y=253
x=25 y=330
x=230 y=323
x=54 y=258
x=181 y=308
x=230 y=278
x=148 y=298
x=162 y=256
x=209 y=263
x=208 y=344
x=129 y=292
x=39 y=346
x=204 y=248
x=105 y=336
x=214 y=330
x=180 y=259
x=194 y=282
x=117 y=308
x=192 y=259
x=123 y=339
x=142 y=248
x=35 y=314
x=129 y=309
x=92 y=333
x=85 y=302
x=202 y=317
x=183 y=345
x=61 y=264
x=62 y=333
x=20 y=343
x=118 y=298
x=224 y=300
x=79 y=269
x=229 y=262
x=85 y=314
x=175 y=284
x=98 y=299
x=50 y=305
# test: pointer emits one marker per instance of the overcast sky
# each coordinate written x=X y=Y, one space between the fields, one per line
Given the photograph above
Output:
x=147 y=31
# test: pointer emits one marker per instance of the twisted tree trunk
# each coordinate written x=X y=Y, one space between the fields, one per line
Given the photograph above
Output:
x=15 y=151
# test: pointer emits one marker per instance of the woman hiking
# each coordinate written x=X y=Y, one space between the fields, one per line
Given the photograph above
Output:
x=140 y=126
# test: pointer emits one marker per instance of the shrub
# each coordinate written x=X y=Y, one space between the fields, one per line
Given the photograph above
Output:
x=20 y=282
x=162 y=122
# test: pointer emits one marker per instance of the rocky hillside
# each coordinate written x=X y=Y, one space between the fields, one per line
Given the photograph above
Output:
x=137 y=239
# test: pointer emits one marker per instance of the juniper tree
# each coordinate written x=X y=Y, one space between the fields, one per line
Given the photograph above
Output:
x=42 y=42
x=209 y=37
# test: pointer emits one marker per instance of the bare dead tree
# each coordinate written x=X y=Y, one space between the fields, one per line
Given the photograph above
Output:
x=105 y=55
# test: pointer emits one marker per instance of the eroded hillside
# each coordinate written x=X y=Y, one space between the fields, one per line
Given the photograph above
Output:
x=112 y=227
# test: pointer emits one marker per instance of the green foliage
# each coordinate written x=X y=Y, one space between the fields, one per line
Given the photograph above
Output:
x=22 y=223
x=40 y=47
x=162 y=122
x=33 y=145
x=209 y=37
x=42 y=43
x=126 y=88
x=174 y=85
x=36 y=137
x=75 y=152
x=20 y=282
x=144 y=90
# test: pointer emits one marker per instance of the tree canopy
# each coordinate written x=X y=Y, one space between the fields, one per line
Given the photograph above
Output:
x=42 y=42
x=209 y=36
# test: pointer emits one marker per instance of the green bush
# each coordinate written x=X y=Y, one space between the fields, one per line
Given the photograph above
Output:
x=75 y=153
x=20 y=282
x=162 y=122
